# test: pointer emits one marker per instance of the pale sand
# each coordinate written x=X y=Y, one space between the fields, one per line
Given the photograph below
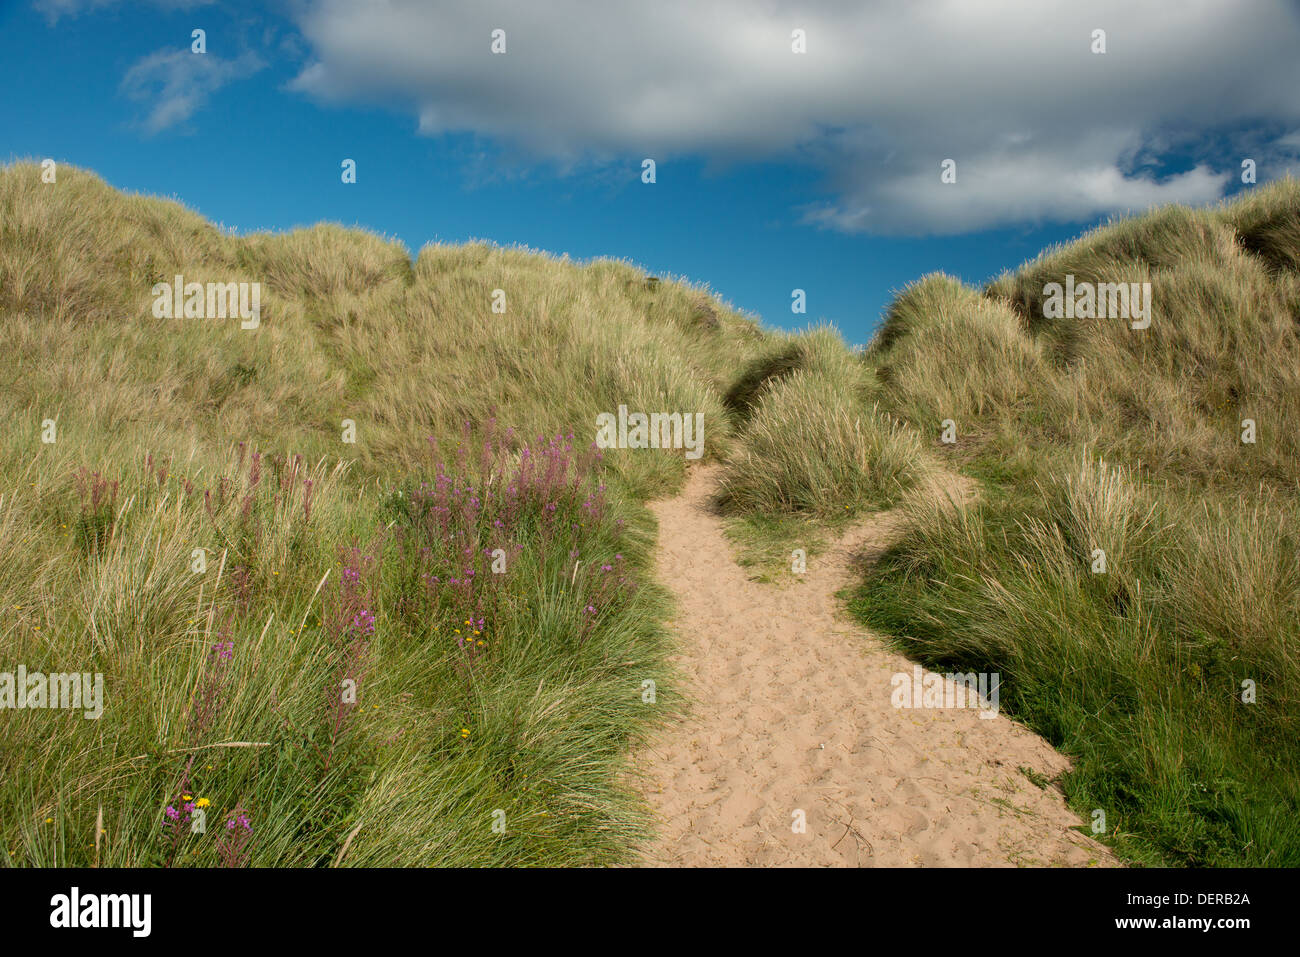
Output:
x=791 y=711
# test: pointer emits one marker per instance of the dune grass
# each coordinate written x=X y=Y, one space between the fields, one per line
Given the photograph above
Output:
x=813 y=451
x=393 y=643
x=435 y=645
x=809 y=443
x=1171 y=675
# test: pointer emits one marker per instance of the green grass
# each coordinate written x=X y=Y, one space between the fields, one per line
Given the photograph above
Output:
x=1085 y=435
x=765 y=544
x=809 y=443
x=1136 y=674
x=98 y=578
x=552 y=703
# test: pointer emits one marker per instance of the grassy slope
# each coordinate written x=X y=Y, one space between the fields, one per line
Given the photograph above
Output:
x=1135 y=673
x=814 y=450
x=198 y=423
x=1087 y=435
x=1090 y=435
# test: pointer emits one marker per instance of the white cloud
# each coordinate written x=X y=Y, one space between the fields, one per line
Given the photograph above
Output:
x=176 y=83
x=1040 y=127
x=995 y=188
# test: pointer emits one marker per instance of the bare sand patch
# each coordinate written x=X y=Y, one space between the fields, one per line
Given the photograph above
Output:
x=791 y=712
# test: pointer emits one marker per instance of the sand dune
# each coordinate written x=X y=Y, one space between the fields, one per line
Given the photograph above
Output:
x=791 y=712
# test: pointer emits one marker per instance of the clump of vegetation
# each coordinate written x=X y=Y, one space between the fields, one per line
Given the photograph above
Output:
x=810 y=443
x=1130 y=567
x=341 y=616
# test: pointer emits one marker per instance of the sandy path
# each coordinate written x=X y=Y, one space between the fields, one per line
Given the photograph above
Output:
x=791 y=711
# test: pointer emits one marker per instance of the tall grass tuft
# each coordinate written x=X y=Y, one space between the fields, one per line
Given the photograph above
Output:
x=811 y=442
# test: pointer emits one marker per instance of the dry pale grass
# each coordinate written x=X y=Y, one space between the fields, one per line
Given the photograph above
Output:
x=1171 y=673
x=157 y=424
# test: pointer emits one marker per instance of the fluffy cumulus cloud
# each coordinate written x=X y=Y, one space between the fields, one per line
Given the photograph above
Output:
x=1040 y=127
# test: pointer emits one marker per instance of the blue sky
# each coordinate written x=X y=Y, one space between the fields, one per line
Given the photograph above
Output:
x=775 y=170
